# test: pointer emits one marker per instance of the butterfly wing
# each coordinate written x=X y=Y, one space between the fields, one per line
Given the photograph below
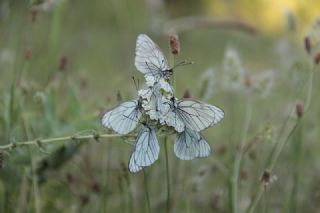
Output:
x=146 y=149
x=133 y=167
x=197 y=115
x=149 y=58
x=124 y=118
x=190 y=145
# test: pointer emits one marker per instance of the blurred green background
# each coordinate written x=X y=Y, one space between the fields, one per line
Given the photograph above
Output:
x=64 y=62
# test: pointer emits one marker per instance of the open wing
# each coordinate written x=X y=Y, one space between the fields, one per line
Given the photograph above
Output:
x=146 y=149
x=197 y=115
x=149 y=58
x=190 y=145
x=123 y=118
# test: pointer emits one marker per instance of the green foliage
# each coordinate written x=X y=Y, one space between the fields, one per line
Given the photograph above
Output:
x=62 y=66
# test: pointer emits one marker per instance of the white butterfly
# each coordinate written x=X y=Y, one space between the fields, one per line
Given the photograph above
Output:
x=194 y=114
x=190 y=145
x=150 y=60
x=123 y=118
x=146 y=149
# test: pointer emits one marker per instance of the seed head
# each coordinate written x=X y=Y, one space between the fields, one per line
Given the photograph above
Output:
x=307 y=44
x=28 y=54
x=317 y=58
x=299 y=108
x=63 y=63
x=187 y=94
x=34 y=14
x=248 y=81
x=267 y=178
x=174 y=44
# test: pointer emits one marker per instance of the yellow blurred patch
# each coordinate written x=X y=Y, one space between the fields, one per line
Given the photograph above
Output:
x=267 y=15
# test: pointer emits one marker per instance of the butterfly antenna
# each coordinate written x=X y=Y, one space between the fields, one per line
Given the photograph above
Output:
x=182 y=63
x=136 y=83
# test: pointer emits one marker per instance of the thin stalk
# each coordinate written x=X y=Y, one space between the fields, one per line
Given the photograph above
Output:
x=167 y=174
x=40 y=142
x=35 y=185
x=146 y=191
x=270 y=167
x=297 y=152
x=238 y=159
x=278 y=148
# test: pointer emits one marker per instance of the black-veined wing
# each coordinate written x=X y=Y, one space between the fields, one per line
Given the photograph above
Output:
x=197 y=115
x=133 y=167
x=149 y=58
x=146 y=149
x=123 y=118
x=190 y=145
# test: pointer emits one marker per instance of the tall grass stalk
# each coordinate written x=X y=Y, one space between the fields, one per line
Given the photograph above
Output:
x=35 y=186
x=55 y=31
x=297 y=152
x=168 y=203
x=239 y=155
x=146 y=191
x=274 y=155
x=40 y=142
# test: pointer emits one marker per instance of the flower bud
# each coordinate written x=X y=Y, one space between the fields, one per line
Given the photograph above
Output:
x=174 y=44
x=299 y=108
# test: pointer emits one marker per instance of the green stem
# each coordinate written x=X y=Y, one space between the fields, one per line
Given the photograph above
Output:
x=297 y=152
x=146 y=191
x=279 y=146
x=238 y=159
x=167 y=174
x=40 y=142
x=35 y=186
x=275 y=155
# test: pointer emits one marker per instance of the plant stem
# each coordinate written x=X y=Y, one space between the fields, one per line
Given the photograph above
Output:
x=146 y=190
x=167 y=174
x=40 y=142
x=279 y=146
x=297 y=154
x=238 y=158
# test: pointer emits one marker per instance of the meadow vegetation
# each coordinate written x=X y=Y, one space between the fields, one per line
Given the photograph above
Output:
x=64 y=63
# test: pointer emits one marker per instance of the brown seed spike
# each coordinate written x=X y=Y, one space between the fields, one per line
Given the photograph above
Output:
x=174 y=44
x=299 y=108
x=28 y=54
x=317 y=58
x=248 y=81
x=187 y=94
x=307 y=44
x=63 y=63
x=34 y=15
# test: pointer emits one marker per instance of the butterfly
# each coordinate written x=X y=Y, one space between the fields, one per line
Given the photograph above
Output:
x=123 y=118
x=190 y=144
x=194 y=114
x=150 y=60
x=145 y=151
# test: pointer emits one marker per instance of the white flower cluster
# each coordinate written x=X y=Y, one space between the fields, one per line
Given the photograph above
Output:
x=157 y=103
